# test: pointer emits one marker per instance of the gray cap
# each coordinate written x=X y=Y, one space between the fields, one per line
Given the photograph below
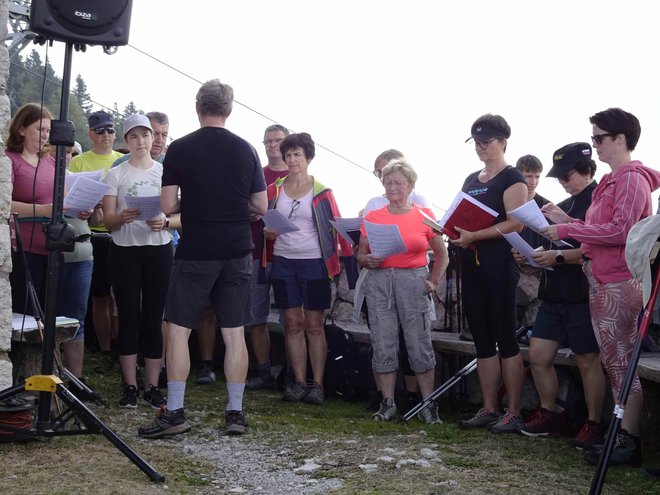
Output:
x=136 y=120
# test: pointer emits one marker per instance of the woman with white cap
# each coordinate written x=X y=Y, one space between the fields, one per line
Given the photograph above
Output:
x=139 y=261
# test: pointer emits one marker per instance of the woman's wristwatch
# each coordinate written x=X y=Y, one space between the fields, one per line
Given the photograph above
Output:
x=559 y=257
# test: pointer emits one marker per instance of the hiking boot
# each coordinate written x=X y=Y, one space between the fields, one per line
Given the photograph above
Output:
x=235 y=422
x=481 y=419
x=166 y=423
x=206 y=376
x=295 y=392
x=429 y=414
x=314 y=395
x=260 y=382
x=153 y=398
x=386 y=411
x=508 y=423
x=129 y=398
x=589 y=437
x=162 y=378
x=627 y=450
x=543 y=423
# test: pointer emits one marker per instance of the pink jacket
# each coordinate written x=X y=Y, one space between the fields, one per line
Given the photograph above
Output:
x=621 y=199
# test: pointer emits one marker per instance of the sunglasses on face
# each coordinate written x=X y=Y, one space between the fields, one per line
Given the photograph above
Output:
x=102 y=130
x=598 y=138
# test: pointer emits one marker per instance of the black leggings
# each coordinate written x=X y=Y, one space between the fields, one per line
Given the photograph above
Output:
x=140 y=276
x=489 y=297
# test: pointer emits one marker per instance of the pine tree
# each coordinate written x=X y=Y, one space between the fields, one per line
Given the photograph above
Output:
x=82 y=96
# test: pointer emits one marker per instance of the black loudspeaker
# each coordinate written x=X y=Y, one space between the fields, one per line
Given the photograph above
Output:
x=91 y=22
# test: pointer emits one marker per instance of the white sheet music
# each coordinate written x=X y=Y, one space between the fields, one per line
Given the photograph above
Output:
x=520 y=245
x=148 y=206
x=84 y=195
x=384 y=239
x=346 y=226
x=530 y=214
x=71 y=179
x=275 y=221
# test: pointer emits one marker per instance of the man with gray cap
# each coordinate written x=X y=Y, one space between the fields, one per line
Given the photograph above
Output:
x=213 y=260
x=563 y=318
x=100 y=157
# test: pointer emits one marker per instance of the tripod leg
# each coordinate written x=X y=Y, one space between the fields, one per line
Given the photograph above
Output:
x=12 y=391
x=93 y=422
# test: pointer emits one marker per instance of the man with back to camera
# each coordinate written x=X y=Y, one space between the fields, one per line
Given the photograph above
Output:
x=213 y=260
x=100 y=157
x=260 y=292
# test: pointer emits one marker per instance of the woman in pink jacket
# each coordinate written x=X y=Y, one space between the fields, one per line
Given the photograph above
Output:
x=622 y=198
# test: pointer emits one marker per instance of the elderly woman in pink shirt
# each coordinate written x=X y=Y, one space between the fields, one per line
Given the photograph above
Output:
x=622 y=198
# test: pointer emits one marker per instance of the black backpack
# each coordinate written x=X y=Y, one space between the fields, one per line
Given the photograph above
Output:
x=348 y=372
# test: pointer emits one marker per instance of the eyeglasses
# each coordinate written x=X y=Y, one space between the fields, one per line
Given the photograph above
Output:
x=598 y=138
x=567 y=177
x=378 y=173
x=294 y=208
x=102 y=130
x=483 y=145
x=268 y=142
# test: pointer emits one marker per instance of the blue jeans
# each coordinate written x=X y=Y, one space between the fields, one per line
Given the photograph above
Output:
x=75 y=292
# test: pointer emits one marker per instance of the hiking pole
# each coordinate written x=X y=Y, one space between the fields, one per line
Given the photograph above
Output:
x=620 y=405
x=462 y=373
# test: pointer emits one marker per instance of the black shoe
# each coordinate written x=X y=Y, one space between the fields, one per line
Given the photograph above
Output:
x=166 y=423
x=129 y=399
x=235 y=422
x=627 y=451
x=261 y=382
x=153 y=398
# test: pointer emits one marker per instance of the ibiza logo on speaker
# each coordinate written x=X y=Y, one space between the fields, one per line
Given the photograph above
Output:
x=88 y=16
x=92 y=22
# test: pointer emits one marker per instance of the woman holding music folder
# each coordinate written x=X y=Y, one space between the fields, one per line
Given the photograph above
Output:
x=139 y=260
x=398 y=289
x=489 y=276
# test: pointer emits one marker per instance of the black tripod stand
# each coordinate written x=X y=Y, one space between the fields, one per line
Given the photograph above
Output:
x=60 y=237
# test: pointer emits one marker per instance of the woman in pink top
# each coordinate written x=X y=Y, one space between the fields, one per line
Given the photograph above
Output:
x=622 y=198
x=398 y=291
x=32 y=178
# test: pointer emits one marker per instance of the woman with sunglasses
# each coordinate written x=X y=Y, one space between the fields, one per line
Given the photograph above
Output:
x=622 y=198
x=304 y=263
x=489 y=277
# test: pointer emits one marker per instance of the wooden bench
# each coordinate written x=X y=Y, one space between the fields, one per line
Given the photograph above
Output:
x=648 y=368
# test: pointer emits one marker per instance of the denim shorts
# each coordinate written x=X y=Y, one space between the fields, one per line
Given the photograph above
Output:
x=300 y=283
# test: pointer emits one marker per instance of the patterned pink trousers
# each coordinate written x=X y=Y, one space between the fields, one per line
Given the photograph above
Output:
x=614 y=309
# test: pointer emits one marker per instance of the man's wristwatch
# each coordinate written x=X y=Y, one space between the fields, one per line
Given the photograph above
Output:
x=559 y=258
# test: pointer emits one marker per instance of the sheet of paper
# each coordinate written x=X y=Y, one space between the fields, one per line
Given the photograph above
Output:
x=275 y=221
x=148 y=206
x=31 y=323
x=530 y=214
x=384 y=239
x=71 y=179
x=520 y=245
x=84 y=195
x=348 y=228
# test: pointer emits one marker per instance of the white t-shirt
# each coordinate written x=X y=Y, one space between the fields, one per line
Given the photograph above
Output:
x=127 y=180
x=381 y=201
x=302 y=244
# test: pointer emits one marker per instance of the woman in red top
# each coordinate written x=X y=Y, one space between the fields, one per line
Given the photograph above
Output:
x=398 y=290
